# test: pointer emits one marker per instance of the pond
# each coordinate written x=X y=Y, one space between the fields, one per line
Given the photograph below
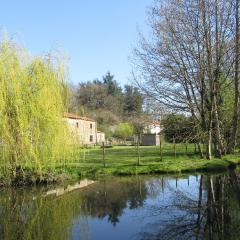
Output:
x=139 y=207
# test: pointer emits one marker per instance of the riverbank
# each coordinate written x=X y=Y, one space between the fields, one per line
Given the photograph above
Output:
x=123 y=161
x=29 y=177
x=168 y=167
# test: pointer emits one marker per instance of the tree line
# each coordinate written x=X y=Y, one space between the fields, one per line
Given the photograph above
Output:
x=190 y=66
x=115 y=108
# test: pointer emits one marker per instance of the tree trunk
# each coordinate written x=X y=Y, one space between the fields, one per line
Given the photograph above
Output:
x=200 y=150
x=235 y=118
x=209 y=145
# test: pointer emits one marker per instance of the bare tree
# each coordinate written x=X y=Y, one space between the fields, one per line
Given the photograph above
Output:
x=189 y=62
x=235 y=118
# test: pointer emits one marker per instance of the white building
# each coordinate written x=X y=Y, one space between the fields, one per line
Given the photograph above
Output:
x=100 y=137
x=153 y=128
x=151 y=133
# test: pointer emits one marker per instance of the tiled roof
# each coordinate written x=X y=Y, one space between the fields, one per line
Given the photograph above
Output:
x=156 y=122
x=75 y=116
x=153 y=122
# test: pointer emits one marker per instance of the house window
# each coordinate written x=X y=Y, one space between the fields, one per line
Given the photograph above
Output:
x=91 y=138
x=90 y=125
x=77 y=124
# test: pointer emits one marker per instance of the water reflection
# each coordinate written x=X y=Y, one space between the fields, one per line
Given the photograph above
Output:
x=194 y=207
x=210 y=211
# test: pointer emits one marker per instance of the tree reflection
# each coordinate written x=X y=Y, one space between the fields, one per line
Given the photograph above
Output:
x=28 y=215
x=211 y=214
x=211 y=211
x=111 y=197
x=32 y=215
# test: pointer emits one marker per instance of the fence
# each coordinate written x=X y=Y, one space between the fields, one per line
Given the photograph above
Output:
x=130 y=155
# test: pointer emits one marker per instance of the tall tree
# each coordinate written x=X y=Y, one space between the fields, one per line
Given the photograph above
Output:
x=112 y=86
x=133 y=100
x=188 y=63
x=235 y=118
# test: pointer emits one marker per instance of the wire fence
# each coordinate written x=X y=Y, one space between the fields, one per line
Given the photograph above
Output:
x=113 y=156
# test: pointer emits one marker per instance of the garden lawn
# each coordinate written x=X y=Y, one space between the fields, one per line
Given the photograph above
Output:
x=123 y=160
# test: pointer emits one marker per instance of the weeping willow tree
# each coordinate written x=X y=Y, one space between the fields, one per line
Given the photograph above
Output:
x=33 y=134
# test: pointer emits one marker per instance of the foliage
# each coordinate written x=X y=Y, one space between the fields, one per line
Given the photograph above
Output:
x=112 y=86
x=133 y=100
x=124 y=131
x=32 y=132
x=139 y=122
x=105 y=101
x=179 y=127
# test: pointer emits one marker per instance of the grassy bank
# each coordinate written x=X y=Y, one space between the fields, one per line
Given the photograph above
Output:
x=121 y=161
x=124 y=160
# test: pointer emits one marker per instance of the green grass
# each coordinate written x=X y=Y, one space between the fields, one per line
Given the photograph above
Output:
x=122 y=160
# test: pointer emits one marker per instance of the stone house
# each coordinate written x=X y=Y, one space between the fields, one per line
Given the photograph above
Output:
x=84 y=129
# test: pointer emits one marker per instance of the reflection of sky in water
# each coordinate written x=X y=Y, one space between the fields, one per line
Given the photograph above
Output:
x=134 y=221
x=137 y=207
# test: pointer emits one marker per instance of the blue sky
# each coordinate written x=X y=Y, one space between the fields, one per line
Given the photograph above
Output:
x=96 y=35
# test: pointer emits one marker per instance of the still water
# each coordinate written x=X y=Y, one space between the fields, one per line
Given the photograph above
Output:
x=140 y=207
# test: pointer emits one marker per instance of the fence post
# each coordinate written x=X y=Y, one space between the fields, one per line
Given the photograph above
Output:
x=138 y=153
x=160 y=146
x=186 y=148
x=103 y=147
x=174 y=147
